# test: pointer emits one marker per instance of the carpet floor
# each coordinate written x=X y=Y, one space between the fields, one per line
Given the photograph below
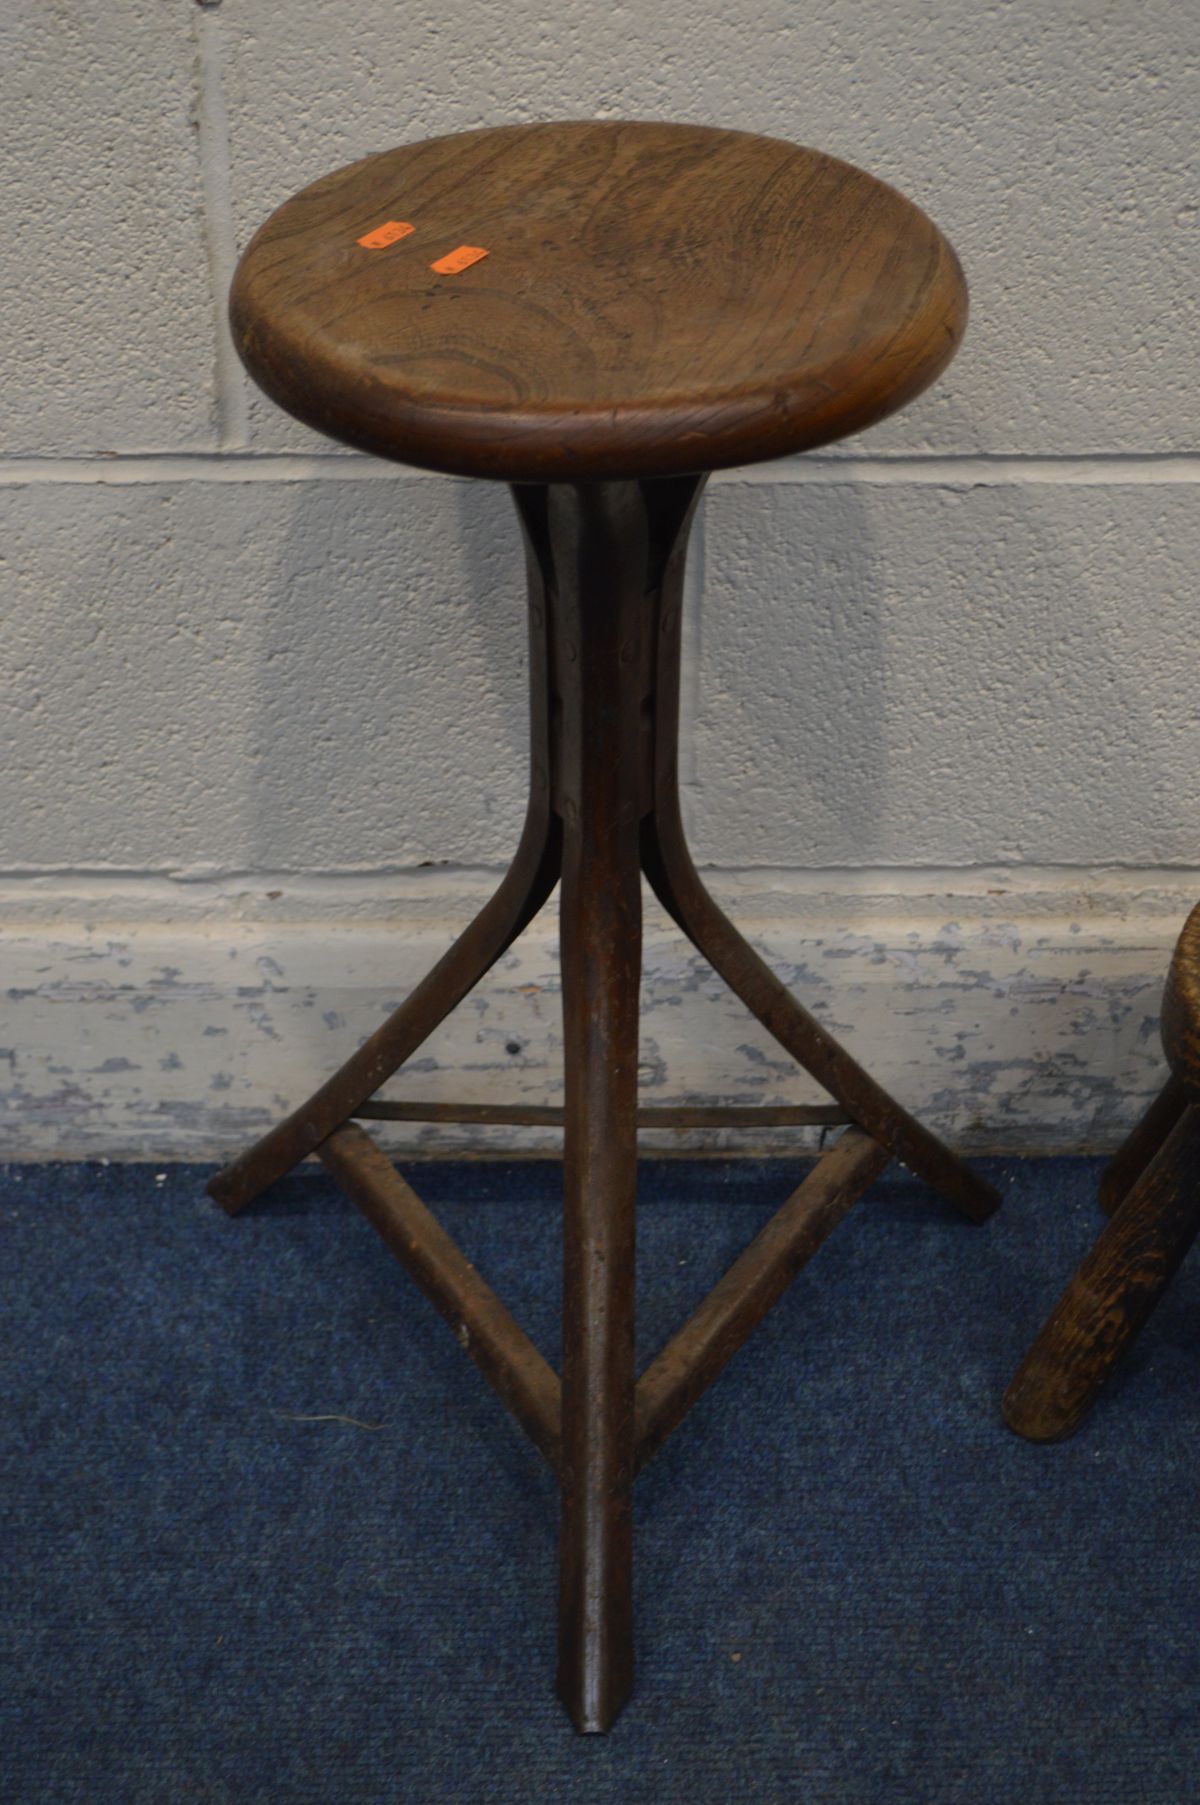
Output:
x=267 y=1536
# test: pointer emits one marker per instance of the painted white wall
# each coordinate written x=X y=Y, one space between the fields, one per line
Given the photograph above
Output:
x=264 y=699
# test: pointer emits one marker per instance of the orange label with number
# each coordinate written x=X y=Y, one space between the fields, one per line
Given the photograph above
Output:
x=386 y=234
x=461 y=259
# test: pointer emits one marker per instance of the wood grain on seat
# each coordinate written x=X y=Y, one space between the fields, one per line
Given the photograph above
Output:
x=655 y=299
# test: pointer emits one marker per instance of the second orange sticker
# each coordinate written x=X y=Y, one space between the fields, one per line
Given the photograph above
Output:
x=461 y=259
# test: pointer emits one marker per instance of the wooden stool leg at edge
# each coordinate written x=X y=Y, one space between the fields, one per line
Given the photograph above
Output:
x=1141 y=1144
x=1113 y=1292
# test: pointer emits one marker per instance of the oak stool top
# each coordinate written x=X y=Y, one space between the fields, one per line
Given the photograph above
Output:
x=655 y=299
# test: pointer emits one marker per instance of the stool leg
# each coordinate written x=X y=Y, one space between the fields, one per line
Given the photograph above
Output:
x=600 y=961
x=1112 y=1293
x=603 y=547
x=526 y=887
x=1141 y=1144
x=598 y=548
x=668 y=864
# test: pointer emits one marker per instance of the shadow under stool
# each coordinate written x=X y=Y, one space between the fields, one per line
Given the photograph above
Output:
x=1151 y=1193
x=599 y=314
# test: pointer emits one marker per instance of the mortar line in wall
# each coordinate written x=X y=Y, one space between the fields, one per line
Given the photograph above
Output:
x=1013 y=875
x=971 y=469
x=954 y=470
x=233 y=407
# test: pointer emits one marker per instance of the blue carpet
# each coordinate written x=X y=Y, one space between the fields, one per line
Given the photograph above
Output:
x=853 y=1583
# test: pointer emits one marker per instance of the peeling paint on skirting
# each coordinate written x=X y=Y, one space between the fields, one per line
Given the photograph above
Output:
x=1005 y=1023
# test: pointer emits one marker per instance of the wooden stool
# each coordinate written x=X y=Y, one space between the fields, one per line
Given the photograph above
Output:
x=598 y=314
x=1151 y=1192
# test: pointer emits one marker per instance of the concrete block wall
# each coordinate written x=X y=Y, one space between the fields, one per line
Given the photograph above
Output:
x=264 y=698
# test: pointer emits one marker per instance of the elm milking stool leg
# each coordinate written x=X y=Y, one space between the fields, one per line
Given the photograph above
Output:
x=1141 y=1144
x=598 y=314
x=1151 y=1192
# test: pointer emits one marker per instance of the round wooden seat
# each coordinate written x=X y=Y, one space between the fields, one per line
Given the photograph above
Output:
x=655 y=299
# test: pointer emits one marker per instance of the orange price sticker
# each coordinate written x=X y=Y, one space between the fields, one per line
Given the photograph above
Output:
x=386 y=234
x=461 y=259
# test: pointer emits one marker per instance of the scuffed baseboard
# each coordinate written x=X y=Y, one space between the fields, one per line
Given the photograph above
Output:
x=159 y=1019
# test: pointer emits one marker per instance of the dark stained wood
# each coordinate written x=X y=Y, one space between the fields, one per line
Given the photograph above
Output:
x=1112 y=1293
x=600 y=554
x=656 y=301
x=1141 y=1144
x=668 y=864
x=504 y=1354
x=1151 y=1191
x=1181 y=1008
x=656 y=298
x=758 y=1278
x=526 y=887
x=536 y=1115
x=605 y=563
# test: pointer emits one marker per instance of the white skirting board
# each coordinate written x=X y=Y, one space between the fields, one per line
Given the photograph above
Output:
x=167 y=1019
